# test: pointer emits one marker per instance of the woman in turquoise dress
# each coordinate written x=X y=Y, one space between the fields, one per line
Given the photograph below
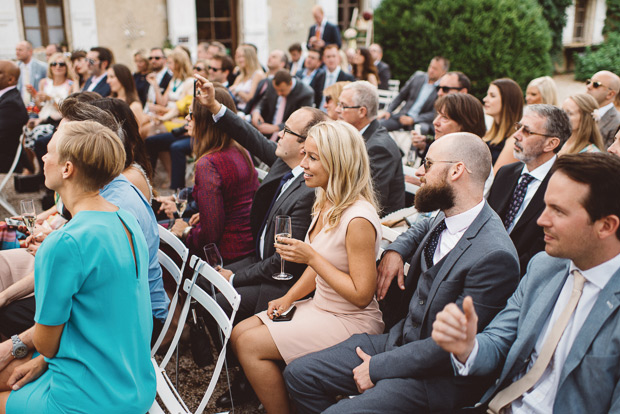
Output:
x=93 y=315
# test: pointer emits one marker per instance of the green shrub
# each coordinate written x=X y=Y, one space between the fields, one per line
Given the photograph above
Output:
x=612 y=18
x=485 y=39
x=605 y=57
x=554 y=12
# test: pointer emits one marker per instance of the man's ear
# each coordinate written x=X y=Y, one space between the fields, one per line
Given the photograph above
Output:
x=68 y=170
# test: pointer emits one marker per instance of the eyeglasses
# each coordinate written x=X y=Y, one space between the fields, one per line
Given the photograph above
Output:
x=287 y=130
x=527 y=132
x=341 y=105
x=429 y=163
x=199 y=68
x=61 y=64
x=596 y=84
x=155 y=57
x=447 y=89
x=91 y=61
x=214 y=69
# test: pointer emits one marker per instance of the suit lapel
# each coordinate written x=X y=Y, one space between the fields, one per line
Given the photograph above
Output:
x=290 y=189
x=606 y=305
x=536 y=204
x=512 y=178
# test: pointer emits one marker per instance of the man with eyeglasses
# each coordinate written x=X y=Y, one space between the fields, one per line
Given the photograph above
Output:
x=357 y=106
x=604 y=87
x=518 y=189
x=282 y=192
x=462 y=251
x=161 y=74
x=99 y=60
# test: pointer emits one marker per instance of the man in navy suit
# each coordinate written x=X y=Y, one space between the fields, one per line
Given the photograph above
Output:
x=557 y=342
x=323 y=32
x=462 y=251
x=333 y=72
x=383 y=68
x=13 y=114
x=99 y=60
x=313 y=75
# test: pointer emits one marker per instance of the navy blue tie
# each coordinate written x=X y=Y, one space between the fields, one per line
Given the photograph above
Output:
x=433 y=241
x=283 y=181
x=517 y=199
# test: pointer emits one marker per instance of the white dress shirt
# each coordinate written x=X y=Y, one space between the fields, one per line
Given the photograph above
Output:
x=603 y=110
x=94 y=81
x=455 y=228
x=539 y=175
x=540 y=399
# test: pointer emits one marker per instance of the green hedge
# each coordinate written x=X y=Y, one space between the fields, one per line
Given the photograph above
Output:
x=605 y=57
x=486 y=39
x=612 y=18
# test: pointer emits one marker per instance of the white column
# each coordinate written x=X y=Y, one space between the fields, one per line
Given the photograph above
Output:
x=83 y=24
x=182 y=28
x=256 y=16
x=10 y=31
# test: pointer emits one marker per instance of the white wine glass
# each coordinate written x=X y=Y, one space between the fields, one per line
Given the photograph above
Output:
x=180 y=199
x=29 y=214
x=283 y=229
x=213 y=256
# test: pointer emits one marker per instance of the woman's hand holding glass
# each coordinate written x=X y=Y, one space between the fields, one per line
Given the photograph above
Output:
x=293 y=250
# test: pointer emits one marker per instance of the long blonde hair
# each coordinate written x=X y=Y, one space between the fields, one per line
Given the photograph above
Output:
x=343 y=154
x=182 y=65
x=588 y=131
x=251 y=62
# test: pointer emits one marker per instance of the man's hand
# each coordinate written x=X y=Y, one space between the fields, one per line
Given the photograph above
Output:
x=194 y=219
x=257 y=119
x=391 y=265
x=178 y=227
x=455 y=331
x=384 y=115
x=268 y=128
x=27 y=372
x=168 y=205
x=205 y=94
x=361 y=373
x=406 y=120
x=418 y=140
x=225 y=273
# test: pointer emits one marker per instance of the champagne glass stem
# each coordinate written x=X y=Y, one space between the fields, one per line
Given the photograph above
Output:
x=282 y=265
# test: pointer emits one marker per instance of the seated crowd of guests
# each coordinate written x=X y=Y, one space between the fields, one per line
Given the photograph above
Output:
x=510 y=297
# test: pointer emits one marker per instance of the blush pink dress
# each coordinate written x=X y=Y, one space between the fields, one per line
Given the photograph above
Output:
x=328 y=319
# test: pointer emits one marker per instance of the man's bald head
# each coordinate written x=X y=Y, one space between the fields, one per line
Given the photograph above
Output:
x=23 y=51
x=469 y=149
x=609 y=89
x=9 y=74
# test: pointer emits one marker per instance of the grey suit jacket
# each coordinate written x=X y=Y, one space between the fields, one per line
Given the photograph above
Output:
x=483 y=264
x=386 y=168
x=295 y=202
x=38 y=71
x=409 y=94
x=589 y=378
x=300 y=95
x=609 y=125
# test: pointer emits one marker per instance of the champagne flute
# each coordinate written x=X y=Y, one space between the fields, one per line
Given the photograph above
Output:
x=213 y=257
x=180 y=199
x=283 y=229
x=29 y=215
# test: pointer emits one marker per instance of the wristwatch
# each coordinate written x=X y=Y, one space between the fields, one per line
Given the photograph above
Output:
x=20 y=350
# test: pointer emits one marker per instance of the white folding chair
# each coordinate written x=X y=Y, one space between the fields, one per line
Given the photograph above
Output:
x=167 y=393
x=3 y=201
x=386 y=97
x=175 y=271
x=389 y=235
x=394 y=85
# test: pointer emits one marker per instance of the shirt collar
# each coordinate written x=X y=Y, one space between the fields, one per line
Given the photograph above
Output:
x=5 y=90
x=364 y=129
x=95 y=80
x=462 y=221
x=602 y=110
x=541 y=171
x=601 y=274
x=335 y=73
x=297 y=171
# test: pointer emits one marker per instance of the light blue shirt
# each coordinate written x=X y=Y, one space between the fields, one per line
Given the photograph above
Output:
x=125 y=195
x=425 y=92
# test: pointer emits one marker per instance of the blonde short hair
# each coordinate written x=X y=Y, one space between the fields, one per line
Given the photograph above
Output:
x=547 y=88
x=343 y=154
x=96 y=152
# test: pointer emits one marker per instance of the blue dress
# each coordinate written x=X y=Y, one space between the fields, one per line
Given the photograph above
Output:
x=87 y=279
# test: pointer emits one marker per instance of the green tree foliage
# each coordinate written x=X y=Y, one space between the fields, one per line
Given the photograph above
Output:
x=612 y=19
x=605 y=57
x=485 y=39
x=554 y=11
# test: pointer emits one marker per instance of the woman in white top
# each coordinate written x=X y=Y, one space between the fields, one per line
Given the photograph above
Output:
x=59 y=84
x=181 y=83
x=250 y=74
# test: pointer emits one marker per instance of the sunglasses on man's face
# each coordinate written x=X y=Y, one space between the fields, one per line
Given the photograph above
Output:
x=61 y=64
x=447 y=89
x=214 y=69
x=155 y=57
x=595 y=84
x=199 y=68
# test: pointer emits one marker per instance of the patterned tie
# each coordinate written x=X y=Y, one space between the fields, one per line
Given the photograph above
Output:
x=515 y=390
x=517 y=199
x=283 y=181
x=433 y=241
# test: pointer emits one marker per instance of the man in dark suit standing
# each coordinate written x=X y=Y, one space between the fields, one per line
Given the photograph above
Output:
x=333 y=72
x=284 y=96
x=323 y=32
x=358 y=106
x=13 y=114
x=462 y=251
x=517 y=193
x=419 y=95
x=383 y=68
x=282 y=192
x=313 y=75
x=99 y=60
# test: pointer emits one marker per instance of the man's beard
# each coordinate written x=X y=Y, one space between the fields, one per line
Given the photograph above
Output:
x=437 y=197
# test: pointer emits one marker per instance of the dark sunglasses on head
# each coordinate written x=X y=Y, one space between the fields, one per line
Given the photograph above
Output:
x=595 y=84
x=61 y=64
x=214 y=69
x=199 y=68
x=447 y=89
x=155 y=57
